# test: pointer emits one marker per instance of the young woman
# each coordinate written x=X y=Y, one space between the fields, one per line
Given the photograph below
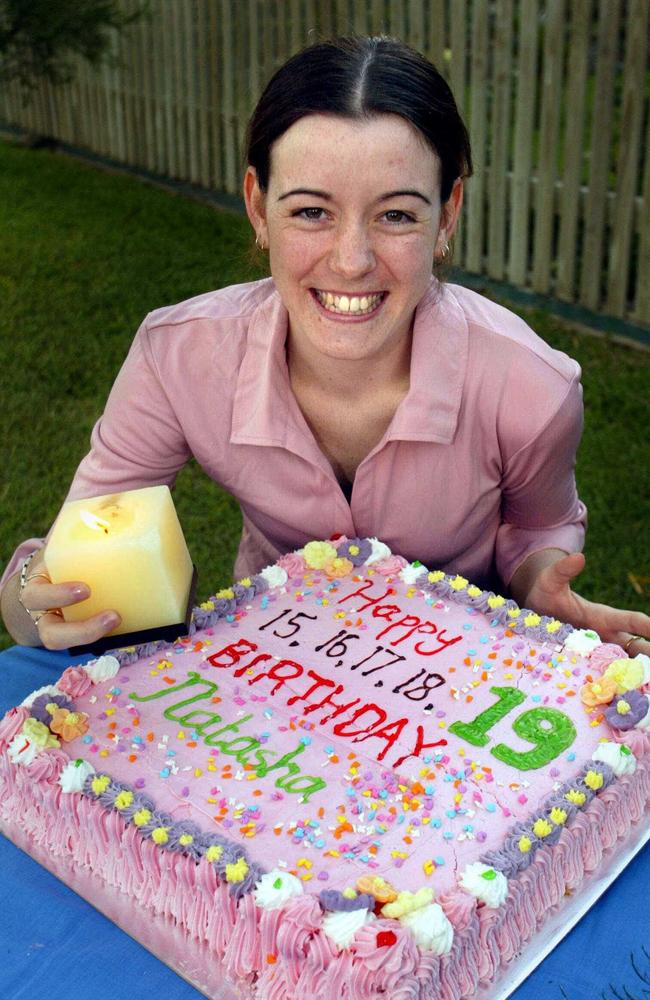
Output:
x=353 y=391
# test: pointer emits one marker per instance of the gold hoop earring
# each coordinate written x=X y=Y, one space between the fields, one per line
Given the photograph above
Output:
x=258 y=244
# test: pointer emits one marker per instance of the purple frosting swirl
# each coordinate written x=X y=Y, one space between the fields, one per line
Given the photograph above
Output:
x=249 y=881
x=185 y=828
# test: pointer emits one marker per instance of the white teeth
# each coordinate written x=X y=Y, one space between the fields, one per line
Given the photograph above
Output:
x=349 y=303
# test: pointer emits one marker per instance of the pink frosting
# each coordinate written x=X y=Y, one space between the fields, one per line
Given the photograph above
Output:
x=459 y=908
x=390 y=566
x=12 y=723
x=292 y=564
x=47 y=766
x=605 y=654
x=74 y=682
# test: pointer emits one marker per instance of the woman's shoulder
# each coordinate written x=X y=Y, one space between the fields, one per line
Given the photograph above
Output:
x=232 y=303
x=499 y=335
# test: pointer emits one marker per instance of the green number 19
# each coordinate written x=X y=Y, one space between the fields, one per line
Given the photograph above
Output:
x=550 y=730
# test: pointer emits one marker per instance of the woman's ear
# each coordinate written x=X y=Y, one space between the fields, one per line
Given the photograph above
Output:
x=450 y=215
x=255 y=201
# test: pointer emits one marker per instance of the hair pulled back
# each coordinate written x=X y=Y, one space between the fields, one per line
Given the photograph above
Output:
x=358 y=78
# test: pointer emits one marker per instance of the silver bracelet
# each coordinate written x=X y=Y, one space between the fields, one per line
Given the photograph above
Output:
x=24 y=580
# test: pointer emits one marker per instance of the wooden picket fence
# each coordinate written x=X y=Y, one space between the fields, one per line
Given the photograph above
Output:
x=555 y=94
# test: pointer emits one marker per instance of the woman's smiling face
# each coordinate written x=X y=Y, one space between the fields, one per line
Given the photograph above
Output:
x=352 y=219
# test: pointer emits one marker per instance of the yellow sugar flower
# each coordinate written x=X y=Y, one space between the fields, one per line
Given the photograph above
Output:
x=213 y=853
x=626 y=674
x=594 y=780
x=435 y=576
x=525 y=844
x=496 y=601
x=236 y=872
x=186 y=839
x=553 y=626
x=318 y=554
x=474 y=591
x=160 y=835
x=576 y=797
x=141 y=817
x=246 y=582
x=407 y=902
x=38 y=734
x=532 y=620
x=458 y=583
x=558 y=816
x=100 y=784
x=514 y=612
x=207 y=606
x=226 y=594
x=542 y=828
x=123 y=800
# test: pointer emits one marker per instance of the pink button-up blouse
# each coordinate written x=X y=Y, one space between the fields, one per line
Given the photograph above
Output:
x=475 y=471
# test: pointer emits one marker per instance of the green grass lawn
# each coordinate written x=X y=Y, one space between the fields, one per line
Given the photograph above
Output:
x=85 y=254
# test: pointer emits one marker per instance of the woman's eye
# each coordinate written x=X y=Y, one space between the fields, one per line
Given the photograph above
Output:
x=395 y=215
x=315 y=214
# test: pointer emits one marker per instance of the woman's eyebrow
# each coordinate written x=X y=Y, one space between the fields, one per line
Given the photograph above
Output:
x=310 y=191
x=409 y=192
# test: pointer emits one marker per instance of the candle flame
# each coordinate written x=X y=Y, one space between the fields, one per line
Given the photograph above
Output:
x=94 y=522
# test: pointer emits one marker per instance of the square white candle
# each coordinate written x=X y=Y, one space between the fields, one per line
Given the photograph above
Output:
x=130 y=550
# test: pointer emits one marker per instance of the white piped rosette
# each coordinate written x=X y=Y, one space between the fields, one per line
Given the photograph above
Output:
x=619 y=757
x=582 y=641
x=340 y=926
x=485 y=884
x=74 y=774
x=104 y=668
x=31 y=698
x=379 y=551
x=276 y=888
x=409 y=574
x=430 y=928
x=22 y=750
x=275 y=576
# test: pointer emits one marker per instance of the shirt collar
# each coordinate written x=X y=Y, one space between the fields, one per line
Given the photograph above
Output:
x=265 y=411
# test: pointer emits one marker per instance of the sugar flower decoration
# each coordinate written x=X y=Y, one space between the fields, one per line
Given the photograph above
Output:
x=318 y=554
x=375 y=886
x=356 y=550
x=74 y=775
x=39 y=734
x=626 y=674
x=430 y=928
x=598 y=692
x=338 y=568
x=627 y=710
x=407 y=902
x=69 y=725
x=582 y=641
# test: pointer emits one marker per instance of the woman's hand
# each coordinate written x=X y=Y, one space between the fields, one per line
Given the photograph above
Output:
x=33 y=617
x=548 y=592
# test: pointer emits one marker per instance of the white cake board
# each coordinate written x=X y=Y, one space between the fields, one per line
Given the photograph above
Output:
x=191 y=960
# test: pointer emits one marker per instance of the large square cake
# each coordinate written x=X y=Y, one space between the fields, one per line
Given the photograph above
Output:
x=356 y=778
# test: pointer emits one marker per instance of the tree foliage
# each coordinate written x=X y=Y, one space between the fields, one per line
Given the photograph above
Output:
x=40 y=39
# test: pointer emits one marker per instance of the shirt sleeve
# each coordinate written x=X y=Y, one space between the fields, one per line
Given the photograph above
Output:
x=137 y=442
x=540 y=504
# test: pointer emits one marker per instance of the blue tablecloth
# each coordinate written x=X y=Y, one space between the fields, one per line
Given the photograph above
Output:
x=55 y=946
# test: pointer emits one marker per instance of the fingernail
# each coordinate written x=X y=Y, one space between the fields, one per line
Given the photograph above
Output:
x=80 y=592
x=110 y=620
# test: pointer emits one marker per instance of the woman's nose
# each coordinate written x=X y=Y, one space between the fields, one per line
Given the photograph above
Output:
x=352 y=254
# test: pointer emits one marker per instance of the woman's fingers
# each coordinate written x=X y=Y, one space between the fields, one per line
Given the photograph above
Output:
x=55 y=633
x=39 y=595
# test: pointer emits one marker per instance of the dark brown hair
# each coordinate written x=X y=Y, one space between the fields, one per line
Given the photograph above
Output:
x=359 y=77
